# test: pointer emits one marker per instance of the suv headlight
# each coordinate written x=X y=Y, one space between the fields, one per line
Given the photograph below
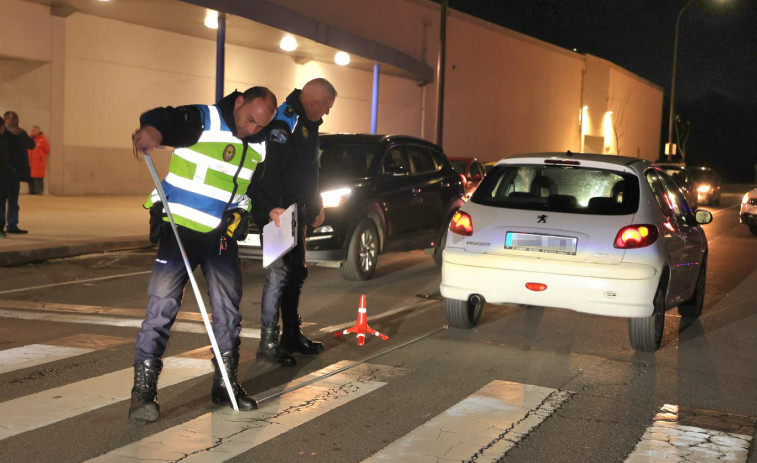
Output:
x=335 y=198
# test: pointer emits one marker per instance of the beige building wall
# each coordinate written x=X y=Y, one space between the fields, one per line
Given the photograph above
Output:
x=25 y=68
x=637 y=112
x=109 y=82
x=88 y=79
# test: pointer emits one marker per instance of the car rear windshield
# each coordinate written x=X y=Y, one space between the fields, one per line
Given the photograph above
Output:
x=345 y=160
x=577 y=190
x=459 y=166
x=701 y=175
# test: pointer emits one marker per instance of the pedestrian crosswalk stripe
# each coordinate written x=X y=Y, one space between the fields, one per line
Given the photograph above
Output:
x=185 y=327
x=43 y=408
x=223 y=433
x=482 y=427
x=683 y=434
x=59 y=349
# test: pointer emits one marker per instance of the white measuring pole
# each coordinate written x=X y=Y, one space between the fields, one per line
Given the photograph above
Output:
x=196 y=289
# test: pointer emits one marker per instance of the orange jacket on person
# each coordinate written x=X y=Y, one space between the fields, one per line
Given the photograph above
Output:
x=38 y=156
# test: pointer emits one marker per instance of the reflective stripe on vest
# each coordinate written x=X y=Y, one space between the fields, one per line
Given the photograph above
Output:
x=209 y=177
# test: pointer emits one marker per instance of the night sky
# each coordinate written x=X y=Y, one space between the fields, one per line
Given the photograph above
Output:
x=717 y=60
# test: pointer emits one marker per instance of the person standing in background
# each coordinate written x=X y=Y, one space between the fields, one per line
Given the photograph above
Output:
x=5 y=173
x=38 y=161
x=18 y=145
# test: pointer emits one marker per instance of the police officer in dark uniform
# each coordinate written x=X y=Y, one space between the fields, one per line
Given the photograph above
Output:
x=290 y=175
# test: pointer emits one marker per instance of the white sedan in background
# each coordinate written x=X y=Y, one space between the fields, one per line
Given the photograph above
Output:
x=600 y=234
x=748 y=210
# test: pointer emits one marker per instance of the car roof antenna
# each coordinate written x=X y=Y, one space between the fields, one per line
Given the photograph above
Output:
x=569 y=153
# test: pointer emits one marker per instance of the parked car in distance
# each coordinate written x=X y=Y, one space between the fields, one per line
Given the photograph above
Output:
x=748 y=210
x=682 y=176
x=472 y=171
x=604 y=235
x=707 y=184
x=380 y=193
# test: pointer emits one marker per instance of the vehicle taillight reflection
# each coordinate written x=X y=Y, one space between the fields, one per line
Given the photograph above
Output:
x=461 y=224
x=636 y=236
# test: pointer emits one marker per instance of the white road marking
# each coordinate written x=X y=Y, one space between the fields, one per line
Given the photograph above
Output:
x=681 y=434
x=75 y=282
x=60 y=403
x=36 y=354
x=57 y=349
x=482 y=427
x=223 y=434
x=185 y=327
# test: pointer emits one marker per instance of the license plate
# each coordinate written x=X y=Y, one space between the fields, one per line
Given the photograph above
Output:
x=540 y=243
x=253 y=239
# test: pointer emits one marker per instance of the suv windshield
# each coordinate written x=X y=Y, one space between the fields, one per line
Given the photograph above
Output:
x=345 y=160
x=559 y=189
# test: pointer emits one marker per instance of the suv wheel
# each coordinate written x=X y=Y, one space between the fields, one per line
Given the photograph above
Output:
x=362 y=254
x=646 y=333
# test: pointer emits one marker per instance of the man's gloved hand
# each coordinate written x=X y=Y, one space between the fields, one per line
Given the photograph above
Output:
x=237 y=224
x=158 y=227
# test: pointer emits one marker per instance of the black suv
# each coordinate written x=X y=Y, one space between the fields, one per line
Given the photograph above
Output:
x=380 y=193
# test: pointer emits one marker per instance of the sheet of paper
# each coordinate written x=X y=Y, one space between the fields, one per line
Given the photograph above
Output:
x=277 y=241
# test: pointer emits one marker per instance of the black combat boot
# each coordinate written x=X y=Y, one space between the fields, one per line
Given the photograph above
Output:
x=219 y=394
x=144 y=404
x=292 y=339
x=269 y=349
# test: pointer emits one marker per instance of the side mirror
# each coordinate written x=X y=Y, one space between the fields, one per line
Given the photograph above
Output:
x=702 y=216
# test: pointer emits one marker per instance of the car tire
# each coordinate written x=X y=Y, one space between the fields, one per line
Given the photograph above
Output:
x=362 y=254
x=692 y=308
x=646 y=333
x=463 y=314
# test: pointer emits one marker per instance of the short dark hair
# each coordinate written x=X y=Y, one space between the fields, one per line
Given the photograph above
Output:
x=259 y=92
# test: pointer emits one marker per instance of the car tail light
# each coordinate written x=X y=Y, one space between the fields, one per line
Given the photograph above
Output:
x=636 y=236
x=464 y=179
x=536 y=286
x=461 y=224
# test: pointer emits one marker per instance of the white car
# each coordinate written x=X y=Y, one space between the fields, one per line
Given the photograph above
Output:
x=600 y=234
x=748 y=211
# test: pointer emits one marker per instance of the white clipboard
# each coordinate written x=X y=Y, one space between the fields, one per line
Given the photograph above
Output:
x=277 y=241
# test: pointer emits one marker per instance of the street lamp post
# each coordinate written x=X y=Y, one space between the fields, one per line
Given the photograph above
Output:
x=669 y=148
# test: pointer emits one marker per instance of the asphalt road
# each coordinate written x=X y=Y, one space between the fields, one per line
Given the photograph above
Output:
x=543 y=384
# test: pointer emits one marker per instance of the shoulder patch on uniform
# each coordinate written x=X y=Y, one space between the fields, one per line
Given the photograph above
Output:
x=279 y=136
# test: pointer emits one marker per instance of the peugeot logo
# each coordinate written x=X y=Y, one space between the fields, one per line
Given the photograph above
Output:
x=541 y=218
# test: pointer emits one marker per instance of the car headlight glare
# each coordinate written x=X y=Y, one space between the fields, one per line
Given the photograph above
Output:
x=335 y=198
x=704 y=188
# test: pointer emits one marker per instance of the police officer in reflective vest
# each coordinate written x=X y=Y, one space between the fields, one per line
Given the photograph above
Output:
x=216 y=151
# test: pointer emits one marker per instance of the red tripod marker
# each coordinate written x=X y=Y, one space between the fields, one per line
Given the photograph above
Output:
x=361 y=328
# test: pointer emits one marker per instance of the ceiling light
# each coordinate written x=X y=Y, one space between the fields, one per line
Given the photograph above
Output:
x=211 y=19
x=288 y=43
x=342 y=58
